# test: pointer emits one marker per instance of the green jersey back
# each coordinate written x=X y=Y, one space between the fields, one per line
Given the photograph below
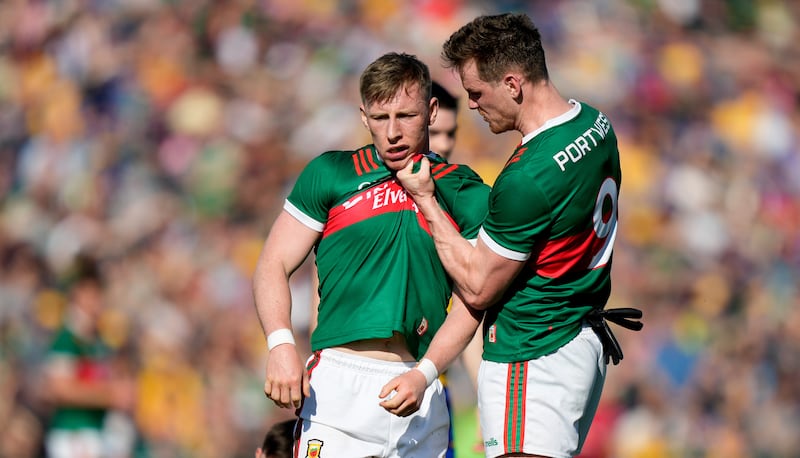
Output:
x=378 y=268
x=554 y=205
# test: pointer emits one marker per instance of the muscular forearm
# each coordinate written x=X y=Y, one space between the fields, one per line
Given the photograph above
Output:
x=480 y=276
x=272 y=297
x=449 y=341
x=455 y=334
x=287 y=245
x=457 y=254
x=285 y=380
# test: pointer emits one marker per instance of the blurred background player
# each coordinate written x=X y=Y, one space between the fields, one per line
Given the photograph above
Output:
x=278 y=441
x=82 y=384
x=443 y=130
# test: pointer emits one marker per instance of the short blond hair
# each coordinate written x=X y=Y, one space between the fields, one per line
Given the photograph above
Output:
x=381 y=80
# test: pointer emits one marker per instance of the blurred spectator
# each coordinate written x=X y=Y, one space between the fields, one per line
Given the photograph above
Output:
x=443 y=130
x=21 y=430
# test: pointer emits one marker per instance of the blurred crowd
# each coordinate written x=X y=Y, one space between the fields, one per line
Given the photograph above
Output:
x=160 y=137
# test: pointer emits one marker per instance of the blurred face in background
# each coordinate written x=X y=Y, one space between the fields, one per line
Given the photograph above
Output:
x=87 y=305
x=399 y=125
x=443 y=132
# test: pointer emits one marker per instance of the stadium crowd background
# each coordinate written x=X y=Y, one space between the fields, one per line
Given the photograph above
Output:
x=162 y=136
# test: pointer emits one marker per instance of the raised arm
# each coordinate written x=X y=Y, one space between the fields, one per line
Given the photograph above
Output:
x=480 y=274
x=287 y=245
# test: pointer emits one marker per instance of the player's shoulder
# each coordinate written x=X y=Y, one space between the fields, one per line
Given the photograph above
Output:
x=336 y=156
x=360 y=160
x=441 y=169
x=593 y=117
x=522 y=182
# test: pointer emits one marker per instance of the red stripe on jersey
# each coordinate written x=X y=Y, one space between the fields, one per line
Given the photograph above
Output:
x=383 y=198
x=363 y=158
x=370 y=159
x=355 y=164
x=557 y=257
x=445 y=172
x=516 y=156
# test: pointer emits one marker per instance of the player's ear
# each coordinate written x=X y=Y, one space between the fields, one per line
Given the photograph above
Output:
x=363 y=115
x=513 y=85
x=434 y=110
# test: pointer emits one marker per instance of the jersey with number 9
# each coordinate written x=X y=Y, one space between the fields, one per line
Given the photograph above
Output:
x=554 y=206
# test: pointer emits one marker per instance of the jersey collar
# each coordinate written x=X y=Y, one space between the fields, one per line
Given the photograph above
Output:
x=560 y=119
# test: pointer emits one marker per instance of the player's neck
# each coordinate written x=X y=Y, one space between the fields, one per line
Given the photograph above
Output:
x=543 y=104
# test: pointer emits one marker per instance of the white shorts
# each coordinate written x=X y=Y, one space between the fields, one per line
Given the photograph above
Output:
x=343 y=418
x=66 y=443
x=544 y=406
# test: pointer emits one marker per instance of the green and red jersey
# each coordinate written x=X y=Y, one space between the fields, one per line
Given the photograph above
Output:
x=90 y=361
x=554 y=206
x=378 y=268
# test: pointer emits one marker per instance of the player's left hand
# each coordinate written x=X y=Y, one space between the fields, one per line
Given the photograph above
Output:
x=403 y=395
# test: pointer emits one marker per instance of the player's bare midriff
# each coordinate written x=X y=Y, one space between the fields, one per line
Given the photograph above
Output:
x=390 y=349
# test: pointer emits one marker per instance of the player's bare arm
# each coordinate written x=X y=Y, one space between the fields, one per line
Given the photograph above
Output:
x=449 y=341
x=480 y=275
x=287 y=245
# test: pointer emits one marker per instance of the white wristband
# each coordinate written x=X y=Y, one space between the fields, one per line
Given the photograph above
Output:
x=428 y=369
x=279 y=337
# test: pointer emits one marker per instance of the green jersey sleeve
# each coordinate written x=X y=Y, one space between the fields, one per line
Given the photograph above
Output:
x=519 y=215
x=464 y=196
x=312 y=196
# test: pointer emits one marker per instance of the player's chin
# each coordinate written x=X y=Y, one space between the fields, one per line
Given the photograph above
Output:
x=398 y=164
x=494 y=127
x=498 y=128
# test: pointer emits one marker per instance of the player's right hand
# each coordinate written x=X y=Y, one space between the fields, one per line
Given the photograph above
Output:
x=287 y=380
x=417 y=184
x=402 y=395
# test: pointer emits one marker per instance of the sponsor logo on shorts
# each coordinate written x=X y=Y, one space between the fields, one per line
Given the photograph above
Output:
x=314 y=449
x=423 y=326
x=493 y=333
x=492 y=442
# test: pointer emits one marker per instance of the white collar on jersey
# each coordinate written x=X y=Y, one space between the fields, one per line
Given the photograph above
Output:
x=560 y=119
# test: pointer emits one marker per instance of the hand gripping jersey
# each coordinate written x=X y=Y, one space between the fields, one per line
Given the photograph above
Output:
x=554 y=205
x=378 y=267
